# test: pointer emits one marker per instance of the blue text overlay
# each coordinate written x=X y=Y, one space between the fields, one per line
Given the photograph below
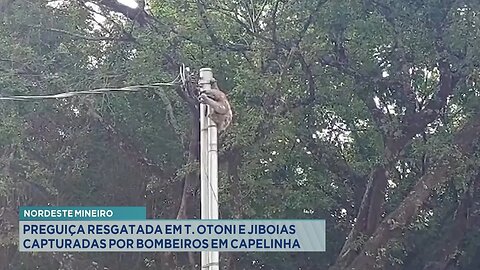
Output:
x=172 y=235
x=46 y=213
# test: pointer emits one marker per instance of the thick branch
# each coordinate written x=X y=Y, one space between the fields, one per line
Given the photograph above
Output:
x=416 y=123
x=307 y=70
x=394 y=223
x=371 y=208
x=138 y=14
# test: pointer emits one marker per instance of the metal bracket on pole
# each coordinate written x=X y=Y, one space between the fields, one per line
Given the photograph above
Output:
x=208 y=169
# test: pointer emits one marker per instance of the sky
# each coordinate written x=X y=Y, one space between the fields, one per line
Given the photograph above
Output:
x=129 y=3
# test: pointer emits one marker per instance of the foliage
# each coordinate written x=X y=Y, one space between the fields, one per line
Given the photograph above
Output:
x=324 y=94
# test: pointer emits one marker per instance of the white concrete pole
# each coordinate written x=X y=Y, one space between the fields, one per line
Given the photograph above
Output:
x=208 y=169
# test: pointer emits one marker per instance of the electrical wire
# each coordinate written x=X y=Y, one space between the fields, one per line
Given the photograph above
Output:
x=211 y=187
x=180 y=79
x=132 y=88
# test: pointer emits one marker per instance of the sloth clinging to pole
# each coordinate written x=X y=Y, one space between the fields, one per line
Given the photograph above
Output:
x=217 y=100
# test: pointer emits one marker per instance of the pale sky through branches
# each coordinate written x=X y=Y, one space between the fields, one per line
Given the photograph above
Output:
x=129 y=3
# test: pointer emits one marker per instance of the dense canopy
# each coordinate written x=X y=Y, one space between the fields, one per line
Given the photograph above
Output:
x=361 y=112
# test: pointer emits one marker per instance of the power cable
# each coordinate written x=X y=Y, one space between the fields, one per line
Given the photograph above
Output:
x=132 y=88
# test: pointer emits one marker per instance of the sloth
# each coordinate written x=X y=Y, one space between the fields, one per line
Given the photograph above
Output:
x=217 y=100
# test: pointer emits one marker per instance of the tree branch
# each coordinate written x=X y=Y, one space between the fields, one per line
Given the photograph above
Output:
x=78 y=36
x=201 y=6
x=394 y=223
x=138 y=15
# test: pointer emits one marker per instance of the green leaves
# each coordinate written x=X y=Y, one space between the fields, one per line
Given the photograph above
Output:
x=319 y=91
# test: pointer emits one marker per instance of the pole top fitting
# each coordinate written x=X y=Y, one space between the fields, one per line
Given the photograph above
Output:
x=206 y=74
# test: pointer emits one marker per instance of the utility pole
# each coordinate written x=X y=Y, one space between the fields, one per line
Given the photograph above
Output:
x=208 y=169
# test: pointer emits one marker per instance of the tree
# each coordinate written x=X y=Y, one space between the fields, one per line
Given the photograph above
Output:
x=363 y=113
